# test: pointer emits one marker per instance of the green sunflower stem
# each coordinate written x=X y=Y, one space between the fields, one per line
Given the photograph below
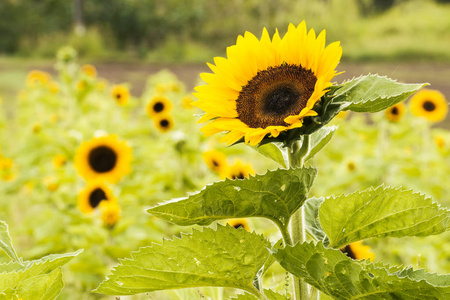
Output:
x=297 y=153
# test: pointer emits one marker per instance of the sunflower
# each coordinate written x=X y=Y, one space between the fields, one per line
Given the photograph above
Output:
x=158 y=105
x=110 y=213
x=103 y=158
x=395 y=112
x=59 y=160
x=216 y=161
x=358 y=251
x=240 y=170
x=266 y=86
x=439 y=141
x=430 y=104
x=89 y=70
x=238 y=223
x=95 y=192
x=37 y=78
x=186 y=102
x=121 y=94
x=163 y=122
x=51 y=183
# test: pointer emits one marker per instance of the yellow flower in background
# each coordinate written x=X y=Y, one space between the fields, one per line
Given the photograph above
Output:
x=216 y=161
x=121 y=94
x=93 y=194
x=160 y=88
x=351 y=166
x=240 y=170
x=158 y=105
x=110 y=213
x=429 y=104
x=358 y=251
x=89 y=70
x=174 y=86
x=53 y=87
x=342 y=115
x=6 y=163
x=101 y=85
x=36 y=128
x=266 y=86
x=104 y=158
x=238 y=223
x=439 y=142
x=54 y=118
x=8 y=176
x=186 y=102
x=82 y=85
x=59 y=160
x=51 y=183
x=163 y=122
x=37 y=78
x=395 y=113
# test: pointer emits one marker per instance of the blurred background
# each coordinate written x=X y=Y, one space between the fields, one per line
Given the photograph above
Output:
x=149 y=48
x=128 y=39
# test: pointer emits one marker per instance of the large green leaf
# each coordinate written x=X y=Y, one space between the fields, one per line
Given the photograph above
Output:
x=274 y=151
x=275 y=195
x=380 y=212
x=33 y=268
x=312 y=224
x=339 y=276
x=6 y=243
x=271 y=295
x=227 y=257
x=373 y=93
x=42 y=287
x=319 y=139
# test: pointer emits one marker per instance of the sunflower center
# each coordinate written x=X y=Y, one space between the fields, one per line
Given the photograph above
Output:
x=118 y=96
x=394 y=111
x=215 y=163
x=238 y=225
x=102 y=159
x=164 y=123
x=349 y=252
x=274 y=94
x=158 y=107
x=96 y=196
x=429 y=106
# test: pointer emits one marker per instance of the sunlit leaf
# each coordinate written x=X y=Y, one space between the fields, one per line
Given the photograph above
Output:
x=42 y=287
x=339 y=276
x=270 y=295
x=380 y=212
x=227 y=257
x=6 y=243
x=275 y=152
x=320 y=139
x=312 y=224
x=275 y=195
x=33 y=268
x=373 y=93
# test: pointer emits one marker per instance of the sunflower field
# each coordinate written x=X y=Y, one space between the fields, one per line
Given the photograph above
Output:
x=273 y=179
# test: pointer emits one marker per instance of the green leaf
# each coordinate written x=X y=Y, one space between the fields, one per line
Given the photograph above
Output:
x=227 y=257
x=271 y=295
x=6 y=242
x=275 y=195
x=274 y=151
x=42 y=287
x=34 y=268
x=373 y=93
x=312 y=224
x=380 y=212
x=319 y=139
x=339 y=276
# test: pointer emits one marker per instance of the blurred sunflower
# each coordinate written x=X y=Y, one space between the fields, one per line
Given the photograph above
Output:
x=358 y=251
x=240 y=170
x=121 y=94
x=59 y=160
x=439 y=141
x=158 y=105
x=89 y=70
x=37 y=78
x=163 y=122
x=53 y=87
x=104 y=158
x=110 y=213
x=51 y=183
x=266 y=86
x=186 y=102
x=216 y=161
x=395 y=113
x=95 y=192
x=238 y=223
x=430 y=104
